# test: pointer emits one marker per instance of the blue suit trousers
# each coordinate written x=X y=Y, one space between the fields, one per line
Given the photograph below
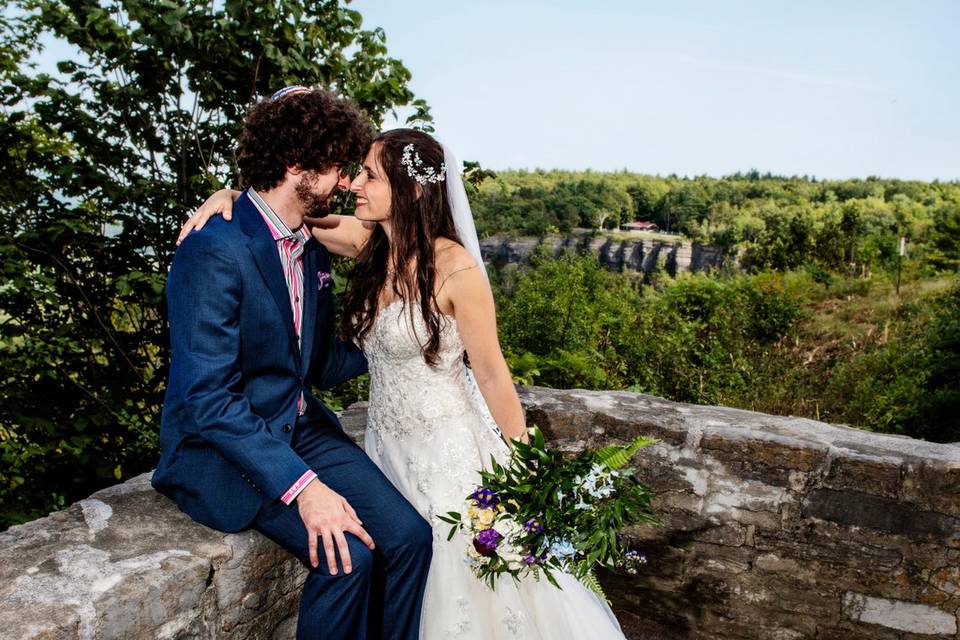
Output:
x=381 y=598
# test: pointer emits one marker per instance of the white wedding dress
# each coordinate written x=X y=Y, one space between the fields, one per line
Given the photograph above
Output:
x=430 y=432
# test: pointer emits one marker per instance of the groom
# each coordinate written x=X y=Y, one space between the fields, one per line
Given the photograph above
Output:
x=245 y=444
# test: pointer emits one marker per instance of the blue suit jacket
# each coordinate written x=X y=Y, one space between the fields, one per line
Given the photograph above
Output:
x=236 y=370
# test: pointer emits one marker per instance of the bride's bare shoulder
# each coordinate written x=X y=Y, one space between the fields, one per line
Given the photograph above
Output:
x=451 y=257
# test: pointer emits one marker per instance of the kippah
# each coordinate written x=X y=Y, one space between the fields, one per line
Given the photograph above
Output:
x=286 y=91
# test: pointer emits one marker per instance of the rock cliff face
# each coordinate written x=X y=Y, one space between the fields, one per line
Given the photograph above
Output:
x=641 y=255
x=772 y=528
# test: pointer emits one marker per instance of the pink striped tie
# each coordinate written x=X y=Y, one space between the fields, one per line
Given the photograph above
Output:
x=294 y=248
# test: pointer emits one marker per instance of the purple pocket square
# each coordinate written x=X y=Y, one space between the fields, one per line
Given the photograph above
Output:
x=324 y=279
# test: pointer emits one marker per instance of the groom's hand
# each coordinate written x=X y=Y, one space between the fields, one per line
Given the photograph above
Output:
x=327 y=515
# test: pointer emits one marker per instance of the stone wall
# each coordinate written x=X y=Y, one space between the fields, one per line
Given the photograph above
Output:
x=642 y=255
x=125 y=564
x=773 y=527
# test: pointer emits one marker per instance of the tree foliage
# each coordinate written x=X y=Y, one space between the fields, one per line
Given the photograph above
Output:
x=104 y=156
x=570 y=323
x=771 y=341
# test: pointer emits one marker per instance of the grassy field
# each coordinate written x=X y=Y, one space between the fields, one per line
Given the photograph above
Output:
x=646 y=235
x=852 y=351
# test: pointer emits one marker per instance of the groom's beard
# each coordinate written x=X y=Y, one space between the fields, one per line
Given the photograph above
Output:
x=315 y=202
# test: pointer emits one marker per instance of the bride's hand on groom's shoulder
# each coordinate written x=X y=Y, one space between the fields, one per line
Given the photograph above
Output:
x=220 y=202
x=328 y=516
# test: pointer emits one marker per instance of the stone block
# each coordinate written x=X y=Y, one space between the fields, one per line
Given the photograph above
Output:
x=718 y=560
x=806 y=546
x=947 y=580
x=759 y=520
x=870 y=474
x=663 y=475
x=731 y=534
x=127 y=564
x=856 y=509
x=935 y=483
x=773 y=563
x=899 y=615
x=765 y=450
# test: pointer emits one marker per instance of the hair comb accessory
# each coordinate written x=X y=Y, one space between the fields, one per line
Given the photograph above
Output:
x=286 y=91
x=418 y=171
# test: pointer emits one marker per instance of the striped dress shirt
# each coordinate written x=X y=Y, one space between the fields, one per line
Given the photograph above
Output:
x=290 y=246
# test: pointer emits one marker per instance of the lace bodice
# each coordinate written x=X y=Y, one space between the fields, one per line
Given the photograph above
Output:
x=430 y=420
x=408 y=394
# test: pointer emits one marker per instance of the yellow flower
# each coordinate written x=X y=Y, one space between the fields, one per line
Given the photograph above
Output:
x=486 y=517
x=473 y=512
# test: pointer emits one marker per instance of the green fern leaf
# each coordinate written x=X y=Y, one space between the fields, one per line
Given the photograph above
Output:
x=590 y=581
x=615 y=456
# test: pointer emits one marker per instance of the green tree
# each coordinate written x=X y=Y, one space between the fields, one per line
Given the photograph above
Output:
x=687 y=202
x=787 y=239
x=105 y=156
x=646 y=196
x=564 y=316
x=945 y=253
x=939 y=404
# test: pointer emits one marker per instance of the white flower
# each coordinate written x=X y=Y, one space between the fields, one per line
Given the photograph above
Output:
x=598 y=483
x=508 y=527
x=513 y=558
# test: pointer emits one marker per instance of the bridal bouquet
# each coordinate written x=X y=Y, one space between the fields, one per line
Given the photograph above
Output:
x=541 y=513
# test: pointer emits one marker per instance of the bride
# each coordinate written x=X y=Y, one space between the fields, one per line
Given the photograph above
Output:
x=419 y=304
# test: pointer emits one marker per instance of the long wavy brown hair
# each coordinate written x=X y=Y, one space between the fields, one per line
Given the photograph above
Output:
x=417 y=218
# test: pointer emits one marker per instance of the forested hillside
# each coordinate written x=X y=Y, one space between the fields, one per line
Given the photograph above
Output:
x=775 y=222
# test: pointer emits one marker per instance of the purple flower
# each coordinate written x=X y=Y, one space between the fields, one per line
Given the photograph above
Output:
x=486 y=542
x=633 y=561
x=485 y=498
x=529 y=559
x=533 y=525
x=636 y=556
x=323 y=279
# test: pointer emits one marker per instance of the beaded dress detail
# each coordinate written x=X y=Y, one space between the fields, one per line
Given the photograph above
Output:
x=429 y=431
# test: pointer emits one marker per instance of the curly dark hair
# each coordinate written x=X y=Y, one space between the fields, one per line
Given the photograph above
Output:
x=419 y=214
x=312 y=130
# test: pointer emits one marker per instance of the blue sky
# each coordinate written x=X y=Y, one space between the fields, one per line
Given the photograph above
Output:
x=836 y=89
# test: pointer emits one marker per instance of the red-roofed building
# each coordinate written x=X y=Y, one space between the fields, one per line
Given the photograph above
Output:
x=639 y=225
